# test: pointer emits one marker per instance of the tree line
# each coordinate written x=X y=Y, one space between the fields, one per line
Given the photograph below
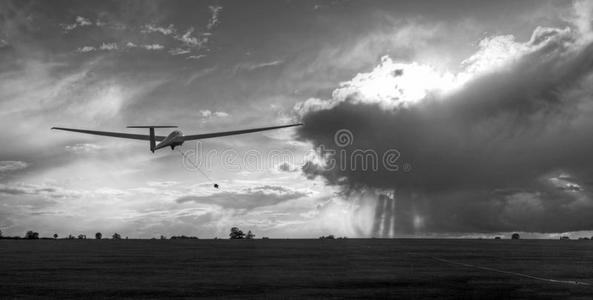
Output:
x=235 y=234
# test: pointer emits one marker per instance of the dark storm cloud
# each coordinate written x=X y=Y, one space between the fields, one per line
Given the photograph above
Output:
x=516 y=126
x=247 y=199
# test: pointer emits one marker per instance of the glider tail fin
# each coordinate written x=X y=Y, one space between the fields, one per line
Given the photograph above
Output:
x=151 y=129
x=152 y=141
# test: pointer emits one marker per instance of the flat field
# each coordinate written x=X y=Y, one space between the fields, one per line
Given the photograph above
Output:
x=352 y=268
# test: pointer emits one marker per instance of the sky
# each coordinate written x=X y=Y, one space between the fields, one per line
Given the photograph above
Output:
x=473 y=118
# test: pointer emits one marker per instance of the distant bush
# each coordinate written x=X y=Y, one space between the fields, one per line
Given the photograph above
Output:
x=265 y=238
x=329 y=237
x=163 y=237
x=116 y=236
x=250 y=236
x=515 y=236
x=31 y=235
x=236 y=234
x=98 y=235
x=497 y=238
x=82 y=237
x=183 y=237
x=564 y=238
x=55 y=236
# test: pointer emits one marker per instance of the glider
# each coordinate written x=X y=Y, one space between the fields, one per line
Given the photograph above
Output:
x=174 y=139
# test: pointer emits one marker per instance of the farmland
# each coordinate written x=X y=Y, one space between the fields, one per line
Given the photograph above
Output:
x=351 y=268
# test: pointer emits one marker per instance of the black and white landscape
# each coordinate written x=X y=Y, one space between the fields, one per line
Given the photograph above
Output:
x=429 y=129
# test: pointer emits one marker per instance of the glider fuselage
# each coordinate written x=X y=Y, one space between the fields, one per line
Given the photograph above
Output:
x=174 y=139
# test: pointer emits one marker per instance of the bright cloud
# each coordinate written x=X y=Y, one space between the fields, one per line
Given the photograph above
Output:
x=215 y=10
x=12 y=165
x=86 y=49
x=207 y=114
x=153 y=47
x=108 y=46
x=149 y=28
x=79 y=22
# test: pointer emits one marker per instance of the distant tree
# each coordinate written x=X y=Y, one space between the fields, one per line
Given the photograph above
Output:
x=70 y=237
x=31 y=235
x=55 y=236
x=265 y=238
x=250 y=236
x=515 y=236
x=497 y=238
x=0 y=234
x=98 y=236
x=163 y=237
x=329 y=237
x=236 y=234
x=82 y=237
x=116 y=236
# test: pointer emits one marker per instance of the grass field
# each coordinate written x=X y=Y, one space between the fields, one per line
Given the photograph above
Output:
x=353 y=268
